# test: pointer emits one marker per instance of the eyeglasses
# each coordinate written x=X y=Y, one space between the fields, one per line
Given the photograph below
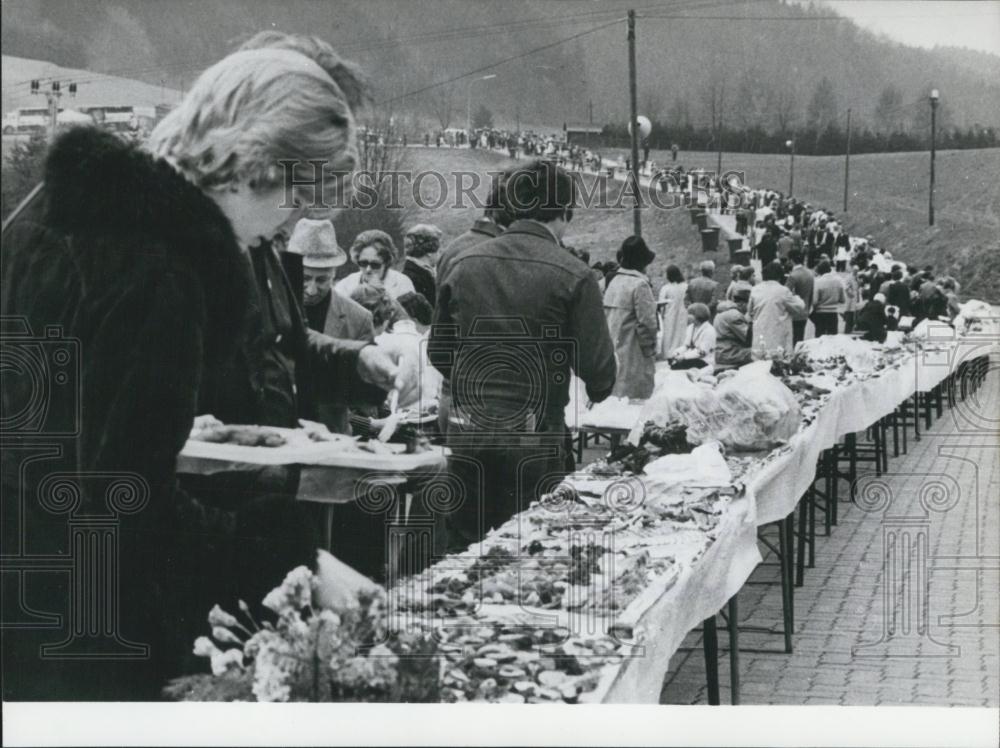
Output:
x=373 y=264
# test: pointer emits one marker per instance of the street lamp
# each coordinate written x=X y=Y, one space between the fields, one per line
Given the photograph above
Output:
x=468 y=99
x=934 y=103
x=790 y=144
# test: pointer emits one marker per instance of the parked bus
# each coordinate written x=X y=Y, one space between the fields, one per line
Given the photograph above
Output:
x=26 y=119
x=123 y=118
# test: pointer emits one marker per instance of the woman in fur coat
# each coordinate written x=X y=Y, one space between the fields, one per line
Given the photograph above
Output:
x=127 y=302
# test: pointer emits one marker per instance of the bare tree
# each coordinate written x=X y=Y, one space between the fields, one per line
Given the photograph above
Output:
x=888 y=111
x=442 y=104
x=823 y=109
x=680 y=113
x=784 y=107
x=651 y=104
x=713 y=101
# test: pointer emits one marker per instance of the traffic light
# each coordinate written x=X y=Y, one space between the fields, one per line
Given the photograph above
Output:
x=55 y=86
x=34 y=87
x=72 y=89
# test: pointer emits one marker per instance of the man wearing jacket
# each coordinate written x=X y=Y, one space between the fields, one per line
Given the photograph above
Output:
x=492 y=223
x=326 y=311
x=800 y=281
x=516 y=315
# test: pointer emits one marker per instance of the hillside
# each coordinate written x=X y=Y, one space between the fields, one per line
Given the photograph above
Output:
x=406 y=45
x=888 y=200
x=93 y=88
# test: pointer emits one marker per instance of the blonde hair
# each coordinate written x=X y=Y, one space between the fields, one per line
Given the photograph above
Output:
x=255 y=109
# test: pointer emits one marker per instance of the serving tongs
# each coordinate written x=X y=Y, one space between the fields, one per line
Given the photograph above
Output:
x=392 y=422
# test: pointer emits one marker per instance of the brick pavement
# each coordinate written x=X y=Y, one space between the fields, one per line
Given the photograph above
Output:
x=945 y=490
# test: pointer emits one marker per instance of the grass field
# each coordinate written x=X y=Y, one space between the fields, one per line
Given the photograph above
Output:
x=888 y=199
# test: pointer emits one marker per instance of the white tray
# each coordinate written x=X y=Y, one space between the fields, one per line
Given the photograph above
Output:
x=205 y=458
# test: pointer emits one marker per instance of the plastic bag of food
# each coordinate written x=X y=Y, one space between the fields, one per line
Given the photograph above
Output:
x=703 y=466
x=761 y=412
x=694 y=403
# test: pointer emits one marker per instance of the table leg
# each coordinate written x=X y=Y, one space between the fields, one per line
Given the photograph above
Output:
x=711 y=645
x=786 y=585
x=328 y=527
x=734 y=652
x=916 y=416
x=895 y=435
x=939 y=401
x=800 y=559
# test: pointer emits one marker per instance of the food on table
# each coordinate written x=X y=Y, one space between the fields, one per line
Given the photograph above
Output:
x=242 y=435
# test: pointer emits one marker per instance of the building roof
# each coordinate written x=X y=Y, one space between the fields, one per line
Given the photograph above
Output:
x=584 y=128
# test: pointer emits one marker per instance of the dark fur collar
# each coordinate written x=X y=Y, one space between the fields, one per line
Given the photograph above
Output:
x=95 y=181
x=98 y=185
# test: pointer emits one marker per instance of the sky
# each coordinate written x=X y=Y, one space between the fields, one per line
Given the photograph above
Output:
x=929 y=22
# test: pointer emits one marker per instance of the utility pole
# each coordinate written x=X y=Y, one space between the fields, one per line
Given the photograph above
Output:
x=718 y=163
x=790 y=144
x=52 y=97
x=634 y=107
x=847 y=159
x=934 y=104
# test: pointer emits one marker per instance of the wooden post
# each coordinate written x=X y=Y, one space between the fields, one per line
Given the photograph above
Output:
x=847 y=159
x=634 y=109
x=934 y=103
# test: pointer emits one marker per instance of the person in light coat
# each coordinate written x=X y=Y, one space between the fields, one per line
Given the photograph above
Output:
x=698 y=350
x=673 y=314
x=631 y=314
x=773 y=307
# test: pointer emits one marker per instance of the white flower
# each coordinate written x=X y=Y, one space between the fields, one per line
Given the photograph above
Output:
x=225 y=636
x=272 y=669
x=328 y=619
x=218 y=617
x=204 y=647
x=298 y=629
x=294 y=593
x=222 y=662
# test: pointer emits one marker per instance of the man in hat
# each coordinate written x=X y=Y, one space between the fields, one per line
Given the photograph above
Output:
x=328 y=313
x=326 y=310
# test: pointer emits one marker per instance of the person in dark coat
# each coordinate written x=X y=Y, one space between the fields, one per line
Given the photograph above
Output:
x=328 y=312
x=144 y=274
x=767 y=249
x=123 y=255
x=872 y=319
x=515 y=315
x=422 y=244
x=494 y=220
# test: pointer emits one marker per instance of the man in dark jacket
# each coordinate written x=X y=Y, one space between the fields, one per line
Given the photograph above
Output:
x=704 y=289
x=515 y=315
x=801 y=281
x=494 y=220
x=328 y=312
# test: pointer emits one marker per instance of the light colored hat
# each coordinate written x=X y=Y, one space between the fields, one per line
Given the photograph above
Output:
x=316 y=241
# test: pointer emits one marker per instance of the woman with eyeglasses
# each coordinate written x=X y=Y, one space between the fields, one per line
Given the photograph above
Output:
x=374 y=253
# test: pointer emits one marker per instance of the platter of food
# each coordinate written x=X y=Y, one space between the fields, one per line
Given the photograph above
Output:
x=213 y=447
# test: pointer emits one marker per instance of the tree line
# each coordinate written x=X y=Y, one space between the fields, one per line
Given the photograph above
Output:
x=745 y=115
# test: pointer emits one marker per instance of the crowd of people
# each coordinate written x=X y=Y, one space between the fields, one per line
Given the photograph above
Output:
x=196 y=290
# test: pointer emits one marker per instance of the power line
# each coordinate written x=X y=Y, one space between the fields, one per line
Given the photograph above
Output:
x=504 y=61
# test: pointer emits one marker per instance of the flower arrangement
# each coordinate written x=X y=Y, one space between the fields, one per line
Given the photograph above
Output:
x=311 y=655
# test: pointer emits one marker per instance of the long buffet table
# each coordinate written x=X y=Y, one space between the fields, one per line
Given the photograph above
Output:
x=622 y=655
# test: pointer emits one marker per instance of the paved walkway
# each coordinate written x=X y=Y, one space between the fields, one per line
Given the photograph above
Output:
x=945 y=490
